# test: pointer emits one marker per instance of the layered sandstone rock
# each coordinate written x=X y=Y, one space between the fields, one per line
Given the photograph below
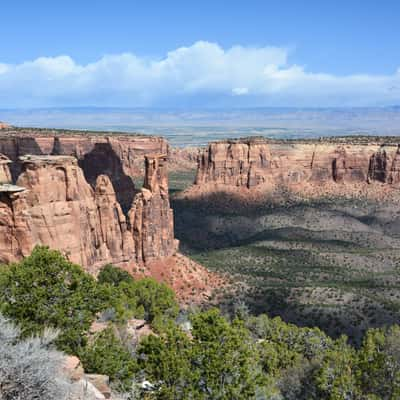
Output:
x=121 y=157
x=5 y=174
x=182 y=158
x=60 y=209
x=253 y=162
x=15 y=224
x=76 y=194
x=151 y=217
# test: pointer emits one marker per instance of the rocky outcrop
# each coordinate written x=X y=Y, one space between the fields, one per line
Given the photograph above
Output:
x=385 y=166
x=182 y=158
x=83 y=385
x=60 y=209
x=5 y=174
x=16 y=240
x=151 y=217
x=253 y=162
x=394 y=172
x=3 y=125
x=120 y=157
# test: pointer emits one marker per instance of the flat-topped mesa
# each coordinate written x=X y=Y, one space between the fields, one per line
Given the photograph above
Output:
x=253 y=162
x=119 y=156
x=60 y=209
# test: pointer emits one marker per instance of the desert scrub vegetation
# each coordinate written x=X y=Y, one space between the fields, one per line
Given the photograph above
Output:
x=30 y=368
x=180 y=180
x=200 y=353
x=46 y=290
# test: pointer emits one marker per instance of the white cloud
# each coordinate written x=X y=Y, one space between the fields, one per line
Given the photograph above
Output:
x=203 y=71
x=240 y=91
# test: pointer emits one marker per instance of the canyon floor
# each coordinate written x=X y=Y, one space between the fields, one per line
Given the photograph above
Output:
x=332 y=261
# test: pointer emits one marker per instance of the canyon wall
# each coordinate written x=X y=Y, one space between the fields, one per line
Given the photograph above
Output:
x=5 y=174
x=120 y=157
x=53 y=204
x=253 y=162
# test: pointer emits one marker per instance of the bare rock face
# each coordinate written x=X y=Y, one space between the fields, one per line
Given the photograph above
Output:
x=60 y=209
x=63 y=210
x=5 y=174
x=182 y=159
x=394 y=172
x=15 y=224
x=115 y=235
x=3 y=125
x=253 y=162
x=151 y=218
x=120 y=157
x=378 y=168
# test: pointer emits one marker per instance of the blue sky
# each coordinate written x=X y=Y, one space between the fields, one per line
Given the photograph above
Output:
x=236 y=53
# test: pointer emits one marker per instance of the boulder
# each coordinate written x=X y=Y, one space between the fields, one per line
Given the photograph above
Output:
x=85 y=390
x=101 y=383
x=72 y=367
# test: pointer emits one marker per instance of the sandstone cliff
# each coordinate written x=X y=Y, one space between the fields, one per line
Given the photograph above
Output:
x=60 y=209
x=253 y=162
x=120 y=157
x=5 y=175
x=151 y=217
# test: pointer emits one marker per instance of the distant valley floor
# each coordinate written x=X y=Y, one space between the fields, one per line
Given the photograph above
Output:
x=332 y=262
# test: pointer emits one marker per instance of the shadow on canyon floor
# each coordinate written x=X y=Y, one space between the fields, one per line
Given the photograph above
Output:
x=333 y=263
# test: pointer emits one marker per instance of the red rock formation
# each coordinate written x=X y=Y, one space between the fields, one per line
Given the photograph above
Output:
x=182 y=159
x=378 y=167
x=15 y=225
x=3 y=125
x=5 y=174
x=151 y=217
x=61 y=210
x=394 y=172
x=255 y=162
x=121 y=157
x=130 y=149
x=80 y=199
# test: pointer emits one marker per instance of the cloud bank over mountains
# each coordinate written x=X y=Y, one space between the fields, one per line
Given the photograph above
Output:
x=203 y=74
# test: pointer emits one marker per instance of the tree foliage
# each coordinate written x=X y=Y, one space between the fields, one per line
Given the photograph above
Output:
x=113 y=276
x=143 y=298
x=45 y=289
x=219 y=361
x=215 y=358
x=107 y=354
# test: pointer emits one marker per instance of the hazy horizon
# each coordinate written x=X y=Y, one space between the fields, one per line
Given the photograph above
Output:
x=185 y=127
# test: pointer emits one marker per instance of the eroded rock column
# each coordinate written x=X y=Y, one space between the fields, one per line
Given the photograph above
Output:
x=151 y=218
